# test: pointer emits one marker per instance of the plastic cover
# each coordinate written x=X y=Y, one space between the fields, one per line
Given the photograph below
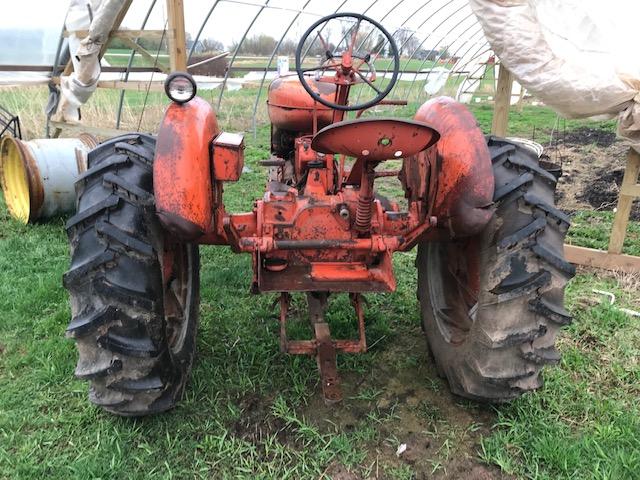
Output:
x=577 y=56
x=98 y=17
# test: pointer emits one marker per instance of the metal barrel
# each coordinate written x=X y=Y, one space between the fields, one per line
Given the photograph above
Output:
x=38 y=176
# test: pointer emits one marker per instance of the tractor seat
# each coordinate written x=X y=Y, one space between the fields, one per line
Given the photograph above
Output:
x=375 y=139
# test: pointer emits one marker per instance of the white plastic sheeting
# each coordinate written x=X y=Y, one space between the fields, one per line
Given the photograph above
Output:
x=577 y=56
x=97 y=16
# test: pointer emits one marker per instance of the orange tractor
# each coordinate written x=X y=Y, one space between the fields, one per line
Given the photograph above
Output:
x=491 y=272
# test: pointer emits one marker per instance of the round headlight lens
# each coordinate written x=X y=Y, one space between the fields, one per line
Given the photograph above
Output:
x=180 y=87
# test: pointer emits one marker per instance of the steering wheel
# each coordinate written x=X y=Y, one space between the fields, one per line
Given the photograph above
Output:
x=347 y=64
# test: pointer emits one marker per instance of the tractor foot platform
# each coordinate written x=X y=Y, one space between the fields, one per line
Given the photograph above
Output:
x=323 y=347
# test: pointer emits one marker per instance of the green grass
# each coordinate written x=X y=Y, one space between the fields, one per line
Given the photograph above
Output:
x=592 y=229
x=251 y=412
x=585 y=422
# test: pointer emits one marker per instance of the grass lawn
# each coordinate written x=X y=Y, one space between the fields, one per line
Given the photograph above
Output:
x=251 y=412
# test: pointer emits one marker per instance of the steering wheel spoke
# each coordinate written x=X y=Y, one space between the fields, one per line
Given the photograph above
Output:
x=368 y=82
x=347 y=64
x=325 y=45
x=354 y=36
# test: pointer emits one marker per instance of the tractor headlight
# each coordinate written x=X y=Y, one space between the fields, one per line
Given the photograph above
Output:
x=180 y=87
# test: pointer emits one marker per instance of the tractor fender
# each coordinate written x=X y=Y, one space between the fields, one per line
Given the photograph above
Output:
x=463 y=197
x=182 y=181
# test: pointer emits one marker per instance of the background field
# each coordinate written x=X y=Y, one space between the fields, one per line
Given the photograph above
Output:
x=250 y=412
x=120 y=57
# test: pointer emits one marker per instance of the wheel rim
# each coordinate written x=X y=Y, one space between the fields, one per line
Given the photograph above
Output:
x=454 y=286
x=177 y=288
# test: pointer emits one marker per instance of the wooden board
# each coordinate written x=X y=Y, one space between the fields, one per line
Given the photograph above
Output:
x=121 y=33
x=135 y=85
x=590 y=257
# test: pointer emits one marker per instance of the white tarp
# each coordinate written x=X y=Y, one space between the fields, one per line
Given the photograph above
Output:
x=577 y=56
x=96 y=16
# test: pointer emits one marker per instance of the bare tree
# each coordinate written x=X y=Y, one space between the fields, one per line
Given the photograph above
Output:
x=212 y=45
x=406 y=40
x=287 y=47
x=261 y=44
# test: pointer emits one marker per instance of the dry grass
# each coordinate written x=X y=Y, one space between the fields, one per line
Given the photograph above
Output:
x=101 y=110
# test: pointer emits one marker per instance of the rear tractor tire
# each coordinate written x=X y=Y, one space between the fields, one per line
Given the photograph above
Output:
x=134 y=292
x=492 y=305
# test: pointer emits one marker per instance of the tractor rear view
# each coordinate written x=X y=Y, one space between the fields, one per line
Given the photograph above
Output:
x=491 y=272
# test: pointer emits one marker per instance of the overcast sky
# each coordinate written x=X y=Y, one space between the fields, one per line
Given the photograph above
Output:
x=230 y=19
x=610 y=26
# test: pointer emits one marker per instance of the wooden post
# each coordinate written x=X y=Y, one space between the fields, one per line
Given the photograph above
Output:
x=502 y=102
x=629 y=190
x=177 y=36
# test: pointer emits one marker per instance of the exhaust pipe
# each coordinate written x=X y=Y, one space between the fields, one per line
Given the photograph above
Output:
x=38 y=176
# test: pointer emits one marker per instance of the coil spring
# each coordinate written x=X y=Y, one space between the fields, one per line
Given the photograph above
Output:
x=364 y=212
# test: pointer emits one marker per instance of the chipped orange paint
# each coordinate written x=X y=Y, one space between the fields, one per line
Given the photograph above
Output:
x=182 y=168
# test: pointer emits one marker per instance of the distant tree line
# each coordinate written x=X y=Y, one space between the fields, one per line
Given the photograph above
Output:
x=263 y=45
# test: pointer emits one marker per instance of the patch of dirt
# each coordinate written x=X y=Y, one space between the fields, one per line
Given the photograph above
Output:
x=335 y=471
x=593 y=163
x=398 y=400
x=603 y=192
x=589 y=136
x=409 y=405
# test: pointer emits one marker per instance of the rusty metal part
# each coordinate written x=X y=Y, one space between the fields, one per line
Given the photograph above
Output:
x=364 y=211
x=175 y=279
x=384 y=102
x=323 y=346
x=376 y=139
x=355 y=244
x=273 y=162
x=182 y=179
x=319 y=227
x=91 y=141
x=285 y=300
x=308 y=347
x=327 y=358
x=387 y=173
